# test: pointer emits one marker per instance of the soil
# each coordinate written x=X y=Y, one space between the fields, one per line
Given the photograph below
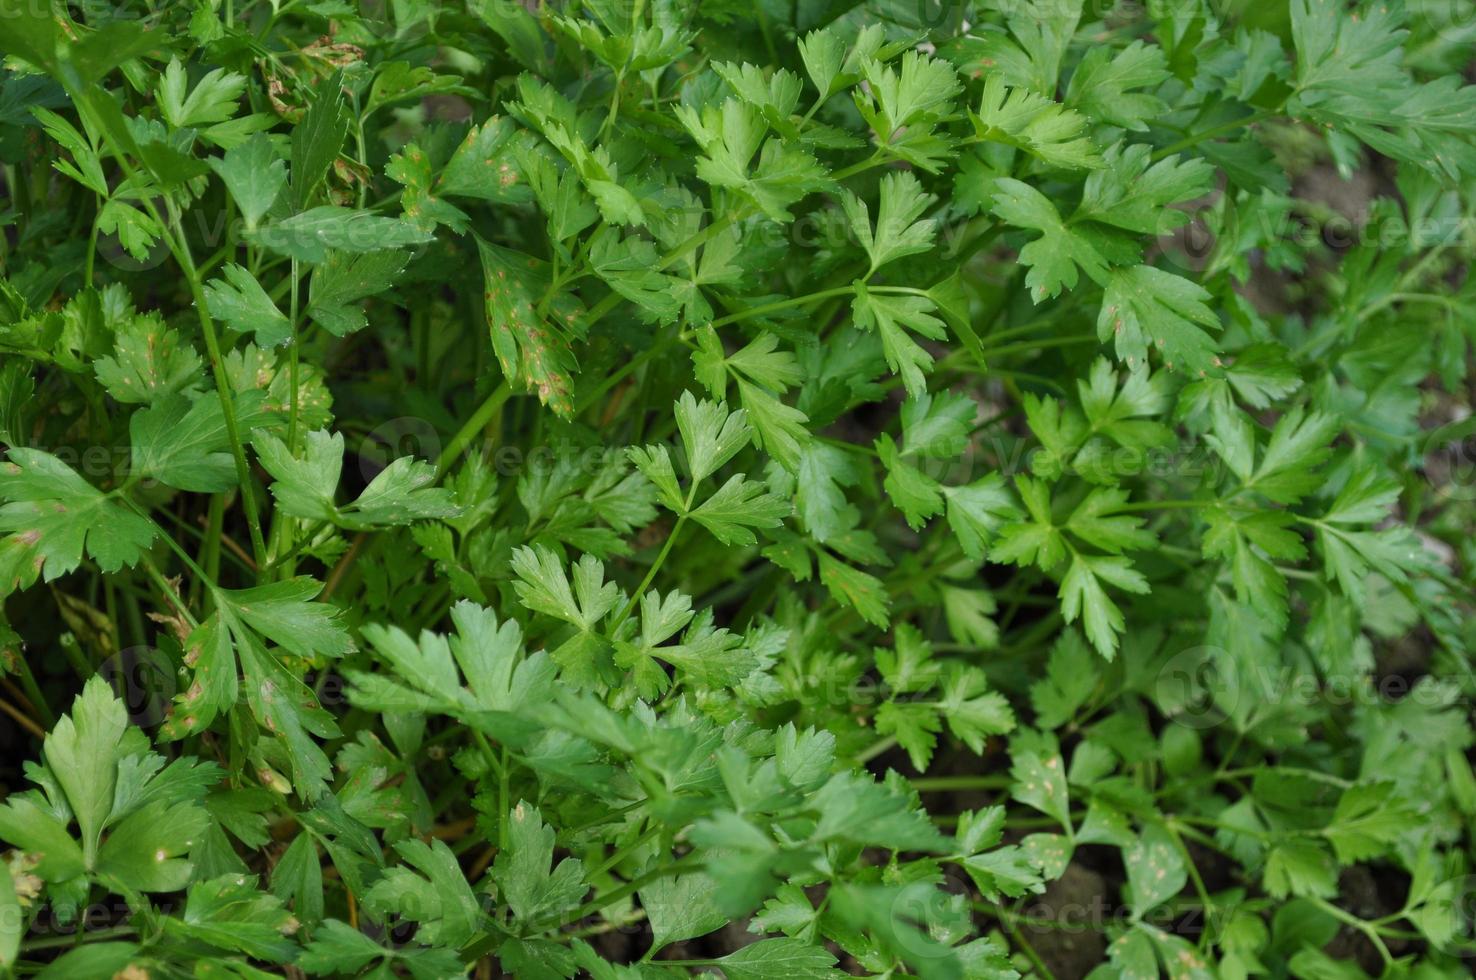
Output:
x=1076 y=900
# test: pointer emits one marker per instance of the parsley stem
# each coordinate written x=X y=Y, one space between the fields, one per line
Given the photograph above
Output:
x=689 y=862
x=1035 y=922
x=32 y=690
x=624 y=852
x=815 y=297
x=783 y=304
x=170 y=595
x=488 y=941
x=284 y=527
x=214 y=529
x=938 y=784
x=598 y=311
x=607 y=817
x=227 y=402
x=1193 y=870
x=498 y=762
x=615 y=377
x=73 y=939
x=292 y=360
x=474 y=425
x=1369 y=930
x=875 y=749
x=22 y=719
x=1408 y=278
x=503 y=793
x=1187 y=823
x=173 y=545
x=1030 y=954
x=1150 y=505
x=336 y=576
x=212 y=572
x=875 y=159
x=92 y=243
x=850 y=447
x=1030 y=325
x=651 y=572
x=174 y=238
x=1190 y=142
x=1031 y=345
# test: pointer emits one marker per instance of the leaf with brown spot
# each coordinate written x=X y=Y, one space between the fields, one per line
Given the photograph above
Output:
x=530 y=346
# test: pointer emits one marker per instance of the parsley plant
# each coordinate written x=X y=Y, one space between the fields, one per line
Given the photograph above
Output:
x=648 y=488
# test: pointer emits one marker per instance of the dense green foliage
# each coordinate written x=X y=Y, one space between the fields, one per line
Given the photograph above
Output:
x=634 y=488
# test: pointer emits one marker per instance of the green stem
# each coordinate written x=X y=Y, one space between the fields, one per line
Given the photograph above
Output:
x=474 y=425
x=33 y=691
x=1407 y=278
x=179 y=247
x=173 y=545
x=292 y=362
x=875 y=749
x=56 y=942
x=1194 y=875
x=503 y=793
x=305 y=541
x=874 y=160
x=92 y=243
x=284 y=528
x=629 y=367
x=1161 y=505
x=487 y=942
x=1030 y=325
x=1033 y=345
x=214 y=529
x=655 y=567
x=815 y=297
x=186 y=528
x=785 y=304
x=687 y=863
x=1007 y=917
x=170 y=596
x=181 y=250
x=1187 y=821
x=622 y=853
x=614 y=104
x=704 y=236
x=499 y=764
x=607 y=817
x=1019 y=940
x=1367 y=928
x=1190 y=142
x=940 y=783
